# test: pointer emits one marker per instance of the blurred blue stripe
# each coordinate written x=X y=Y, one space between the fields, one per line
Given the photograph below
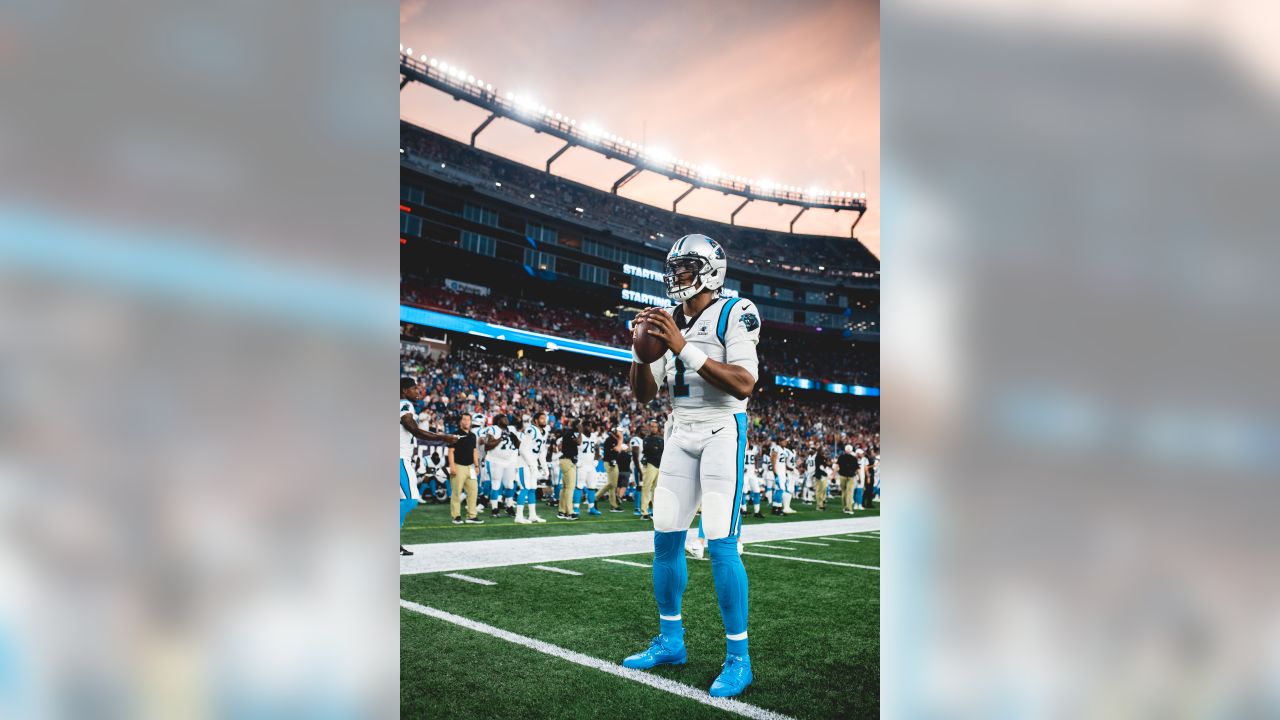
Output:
x=148 y=263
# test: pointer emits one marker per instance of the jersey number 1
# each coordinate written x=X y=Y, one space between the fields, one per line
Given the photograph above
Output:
x=679 y=389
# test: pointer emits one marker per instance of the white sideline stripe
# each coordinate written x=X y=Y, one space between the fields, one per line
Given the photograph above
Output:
x=470 y=579
x=771 y=547
x=562 y=571
x=840 y=539
x=659 y=683
x=805 y=542
x=822 y=562
x=626 y=562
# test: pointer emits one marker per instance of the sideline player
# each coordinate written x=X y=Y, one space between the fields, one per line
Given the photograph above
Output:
x=711 y=368
x=754 y=485
x=410 y=391
x=532 y=442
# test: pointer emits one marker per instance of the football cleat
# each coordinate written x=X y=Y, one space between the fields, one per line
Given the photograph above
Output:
x=637 y=513
x=734 y=678
x=646 y=516
x=537 y=519
x=511 y=510
x=404 y=552
x=615 y=509
x=522 y=521
x=594 y=511
x=575 y=516
x=758 y=514
x=474 y=521
x=562 y=516
x=788 y=511
x=457 y=520
x=695 y=551
x=661 y=651
x=495 y=512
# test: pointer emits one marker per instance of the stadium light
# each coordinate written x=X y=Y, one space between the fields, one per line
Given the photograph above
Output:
x=531 y=196
x=510 y=95
x=433 y=63
x=497 y=183
x=409 y=52
x=423 y=57
x=401 y=47
x=559 y=116
x=489 y=88
x=471 y=79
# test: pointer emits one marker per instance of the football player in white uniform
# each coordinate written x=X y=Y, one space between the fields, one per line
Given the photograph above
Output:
x=410 y=390
x=503 y=462
x=588 y=454
x=532 y=450
x=710 y=368
x=858 y=491
x=754 y=484
x=778 y=463
x=636 y=450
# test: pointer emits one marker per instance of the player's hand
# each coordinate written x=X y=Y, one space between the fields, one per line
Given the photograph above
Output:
x=664 y=328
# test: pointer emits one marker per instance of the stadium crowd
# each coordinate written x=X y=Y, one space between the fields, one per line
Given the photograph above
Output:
x=824 y=256
x=849 y=364
x=473 y=382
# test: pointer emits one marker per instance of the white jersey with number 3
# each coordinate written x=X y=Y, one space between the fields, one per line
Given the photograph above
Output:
x=727 y=330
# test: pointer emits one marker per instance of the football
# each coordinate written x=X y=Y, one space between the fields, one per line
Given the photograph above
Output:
x=648 y=347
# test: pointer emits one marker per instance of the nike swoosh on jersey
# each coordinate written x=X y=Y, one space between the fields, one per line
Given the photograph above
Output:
x=713 y=432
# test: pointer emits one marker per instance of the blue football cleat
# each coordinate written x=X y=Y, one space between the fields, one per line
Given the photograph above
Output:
x=735 y=677
x=594 y=511
x=661 y=651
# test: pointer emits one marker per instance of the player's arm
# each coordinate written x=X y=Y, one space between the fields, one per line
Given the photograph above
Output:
x=736 y=376
x=412 y=426
x=449 y=458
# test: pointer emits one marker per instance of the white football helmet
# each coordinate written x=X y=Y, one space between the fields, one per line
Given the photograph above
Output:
x=700 y=255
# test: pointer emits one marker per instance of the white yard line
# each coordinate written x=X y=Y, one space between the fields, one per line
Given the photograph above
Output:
x=771 y=547
x=658 y=683
x=470 y=579
x=562 y=571
x=811 y=560
x=627 y=562
x=456 y=556
x=840 y=539
x=806 y=542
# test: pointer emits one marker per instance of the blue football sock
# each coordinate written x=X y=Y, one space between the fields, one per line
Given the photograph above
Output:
x=755 y=498
x=405 y=506
x=700 y=533
x=670 y=574
x=857 y=496
x=577 y=497
x=637 y=498
x=731 y=592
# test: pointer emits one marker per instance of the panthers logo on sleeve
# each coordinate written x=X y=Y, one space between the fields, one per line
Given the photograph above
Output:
x=749 y=321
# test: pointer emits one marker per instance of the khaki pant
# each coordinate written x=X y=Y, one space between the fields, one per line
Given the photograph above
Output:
x=462 y=476
x=611 y=485
x=568 y=481
x=649 y=481
x=820 y=490
x=846 y=491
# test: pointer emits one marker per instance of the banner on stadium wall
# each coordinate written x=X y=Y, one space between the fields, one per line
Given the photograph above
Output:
x=837 y=388
x=459 y=286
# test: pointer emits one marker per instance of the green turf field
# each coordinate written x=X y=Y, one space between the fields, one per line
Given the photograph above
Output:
x=814 y=635
x=430 y=523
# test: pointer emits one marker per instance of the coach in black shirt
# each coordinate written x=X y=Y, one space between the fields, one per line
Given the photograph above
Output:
x=568 y=471
x=462 y=455
x=652 y=456
x=847 y=469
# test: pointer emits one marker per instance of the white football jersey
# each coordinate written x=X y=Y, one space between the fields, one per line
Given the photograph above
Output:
x=752 y=452
x=727 y=330
x=810 y=462
x=508 y=443
x=780 y=453
x=482 y=435
x=791 y=458
x=406 y=437
x=587 y=446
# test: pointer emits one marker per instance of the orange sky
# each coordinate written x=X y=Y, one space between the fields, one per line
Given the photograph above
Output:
x=784 y=91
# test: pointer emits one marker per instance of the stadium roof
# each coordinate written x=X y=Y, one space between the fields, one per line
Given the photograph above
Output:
x=463 y=86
